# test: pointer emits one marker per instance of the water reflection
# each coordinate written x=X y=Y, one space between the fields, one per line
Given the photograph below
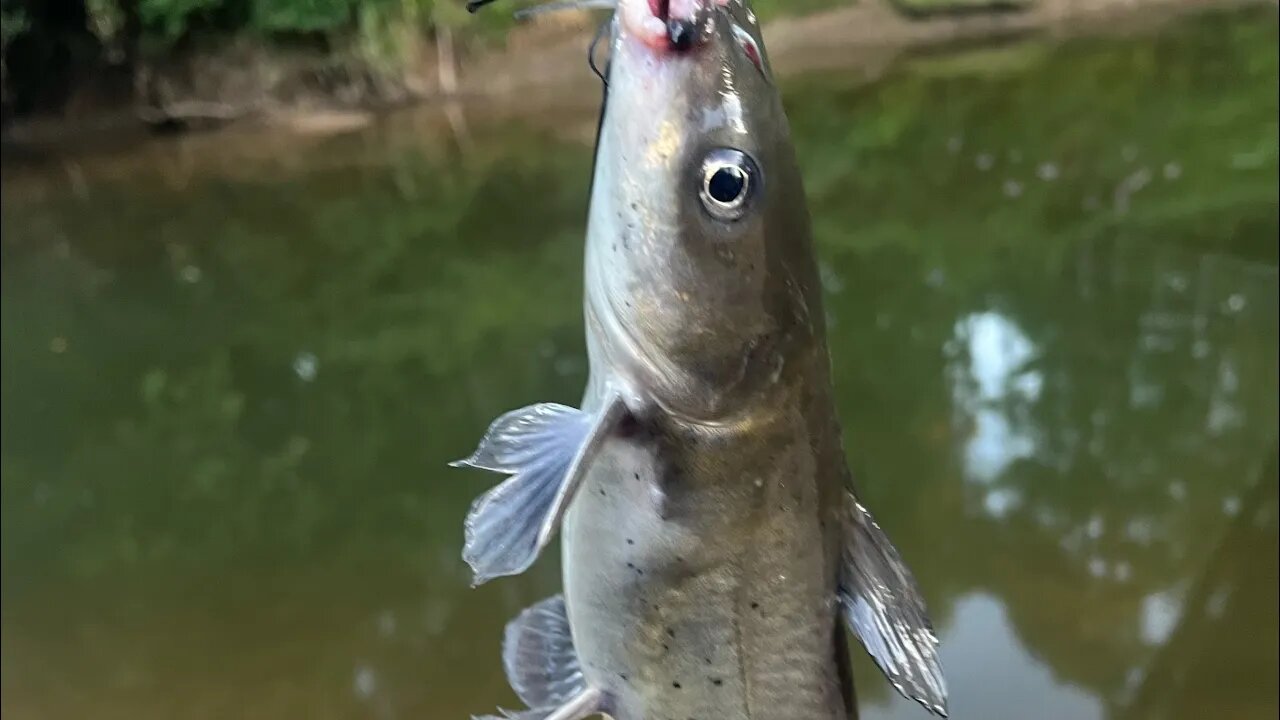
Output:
x=1093 y=477
x=1216 y=658
x=994 y=675
x=992 y=387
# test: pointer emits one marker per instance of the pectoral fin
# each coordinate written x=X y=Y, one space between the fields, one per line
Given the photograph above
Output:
x=542 y=666
x=546 y=449
x=884 y=609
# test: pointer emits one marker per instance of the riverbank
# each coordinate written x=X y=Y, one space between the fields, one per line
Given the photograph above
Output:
x=539 y=68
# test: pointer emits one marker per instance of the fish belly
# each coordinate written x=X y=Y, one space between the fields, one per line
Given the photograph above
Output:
x=703 y=587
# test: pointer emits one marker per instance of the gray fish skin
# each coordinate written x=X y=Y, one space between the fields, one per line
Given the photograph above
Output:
x=701 y=555
x=711 y=539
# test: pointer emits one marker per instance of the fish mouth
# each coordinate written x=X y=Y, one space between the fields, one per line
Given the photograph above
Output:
x=673 y=26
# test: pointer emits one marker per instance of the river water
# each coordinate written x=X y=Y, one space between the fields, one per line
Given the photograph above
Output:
x=234 y=369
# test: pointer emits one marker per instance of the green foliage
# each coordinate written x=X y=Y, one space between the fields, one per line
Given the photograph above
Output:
x=302 y=15
x=387 y=33
x=13 y=22
x=383 y=35
x=170 y=19
x=106 y=20
x=1031 y=145
x=382 y=26
x=385 y=30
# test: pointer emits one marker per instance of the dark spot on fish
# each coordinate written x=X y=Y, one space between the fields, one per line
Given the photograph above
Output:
x=717 y=682
x=630 y=541
x=755 y=606
x=665 y=646
x=679 y=559
x=671 y=633
x=675 y=684
x=623 y=676
x=602 y=493
x=628 y=426
x=707 y=660
x=637 y=475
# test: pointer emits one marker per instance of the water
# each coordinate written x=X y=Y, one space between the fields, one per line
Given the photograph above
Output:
x=233 y=370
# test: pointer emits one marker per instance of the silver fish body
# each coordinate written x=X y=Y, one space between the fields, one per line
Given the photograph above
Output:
x=701 y=556
x=710 y=538
x=701 y=582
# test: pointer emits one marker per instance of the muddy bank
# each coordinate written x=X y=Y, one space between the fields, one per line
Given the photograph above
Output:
x=864 y=38
x=540 y=71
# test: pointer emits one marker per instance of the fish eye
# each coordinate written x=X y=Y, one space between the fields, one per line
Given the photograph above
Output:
x=729 y=179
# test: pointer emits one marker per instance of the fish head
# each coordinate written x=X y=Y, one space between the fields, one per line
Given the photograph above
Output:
x=700 y=270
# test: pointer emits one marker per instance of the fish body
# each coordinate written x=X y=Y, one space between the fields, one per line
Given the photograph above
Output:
x=711 y=541
x=701 y=555
x=706 y=586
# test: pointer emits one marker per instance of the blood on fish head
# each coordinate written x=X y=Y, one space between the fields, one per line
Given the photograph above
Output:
x=671 y=25
x=699 y=258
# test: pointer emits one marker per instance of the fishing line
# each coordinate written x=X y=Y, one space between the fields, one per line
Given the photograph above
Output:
x=561 y=5
x=591 y=53
x=549 y=7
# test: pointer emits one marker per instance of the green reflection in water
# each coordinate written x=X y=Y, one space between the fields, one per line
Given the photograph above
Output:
x=1052 y=280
